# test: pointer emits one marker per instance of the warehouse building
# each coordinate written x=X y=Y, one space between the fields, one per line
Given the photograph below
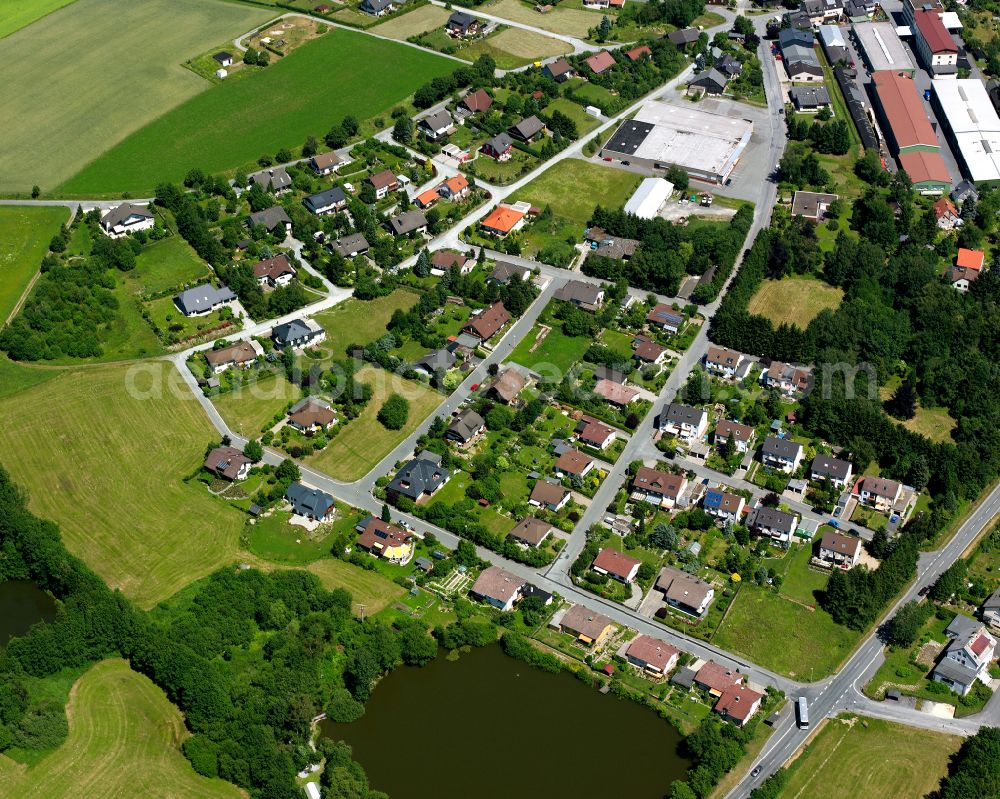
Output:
x=971 y=125
x=706 y=146
x=881 y=48
x=857 y=105
x=649 y=198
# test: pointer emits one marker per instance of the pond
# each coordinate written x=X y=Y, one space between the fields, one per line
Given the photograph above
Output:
x=22 y=603
x=490 y=726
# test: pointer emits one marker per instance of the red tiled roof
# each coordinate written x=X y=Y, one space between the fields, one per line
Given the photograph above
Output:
x=970 y=259
x=427 y=198
x=717 y=677
x=738 y=703
x=923 y=167
x=933 y=32
x=487 y=322
x=601 y=61
x=478 y=100
x=503 y=219
x=615 y=392
x=378 y=535
x=980 y=645
x=900 y=101
x=573 y=461
x=652 y=651
x=665 y=483
x=637 y=52
x=614 y=562
x=457 y=184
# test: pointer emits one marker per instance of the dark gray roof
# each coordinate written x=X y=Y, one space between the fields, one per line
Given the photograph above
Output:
x=683 y=414
x=503 y=272
x=222 y=55
x=308 y=501
x=422 y=475
x=809 y=96
x=771 y=518
x=291 y=331
x=527 y=128
x=711 y=79
x=407 y=222
x=962 y=626
x=460 y=19
x=437 y=120
x=730 y=65
x=202 y=298
x=685 y=36
x=607 y=373
x=828 y=466
x=500 y=142
x=795 y=36
x=122 y=212
x=953 y=670
x=356 y=242
x=466 y=424
x=270 y=218
x=325 y=199
x=579 y=292
x=376 y=5
x=993 y=600
x=274 y=179
x=437 y=361
x=781 y=447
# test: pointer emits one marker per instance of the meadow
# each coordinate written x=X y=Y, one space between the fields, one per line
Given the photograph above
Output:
x=25 y=233
x=104 y=455
x=794 y=300
x=573 y=188
x=236 y=122
x=96 y=71
x=515 y=47
x=168 y=264
x=566 y=21
x=248 y=408
x=20 y=14
x=413 y=23
x=124 y=740
x=368 y=588
x=357 y=321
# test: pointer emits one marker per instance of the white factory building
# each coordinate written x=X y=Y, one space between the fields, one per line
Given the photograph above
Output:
x=649 y=198
x=971 y=125
x=706 y=146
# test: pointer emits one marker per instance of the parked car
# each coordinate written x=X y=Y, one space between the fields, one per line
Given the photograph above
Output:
x=834 y=523
x=924 y=591
x=755 y=772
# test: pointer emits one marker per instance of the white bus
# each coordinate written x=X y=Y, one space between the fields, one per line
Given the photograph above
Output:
x=803 y=710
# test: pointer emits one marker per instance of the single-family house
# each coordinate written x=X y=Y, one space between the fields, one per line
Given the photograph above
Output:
x=550 y=496
x=961 y=278
x=498 y=587
x=446 y=260
x=488 y=322
x=970 y=259
x=426 y=199
x=454 y=188
x=966 y=659
x=527 y=130
x=508 y=383
x=203 y=299
x=651 y=655
x=836 y=470
x=839 y=550
x=408 y=222
x=502 y=221
x=615 y=393
x=684 y=591
x=476 y=102
x=590 y=627
x=242 y=354
x=228 y=463
x=786 y=378
x=607 y=373
x=383 y=182
x=325 y=163
x=639 y=53
x=126 y=218
x=729 y=65
x=809 y=98
x=274 y=220
x=658 y=488
x=738 y=704
x=504 y=272
x=530 y=532
x=351 y=245
x=573 y=463
x=385 y=541
x=325 y=202
x=600 y=62
x=436 y=363
x=605 y=245
x=777 y=524
x=223 y=58
x=812 y=204
x=275 y=180
x=710 y=81
x=683 y=421
x=297 y=334
x=740 y=435
x=588 y=296
x=463 y=25
x=437 y=125
x=782 y=454
x=559 y=70
x=311 y=415
x=274 y=272
x=684 y=37
x=946 y=214
x=310 y=502
x=965 y=191
x=665 y=318
x=498 y=147
x=466 y=427
x=879 y=493
x=716 y=678
x=724 y=506
x=377 y=8
x=723 y=362
x=648 y=351
x=419 y=479
x=991 y=609
x=616 y=565
x=595 y=434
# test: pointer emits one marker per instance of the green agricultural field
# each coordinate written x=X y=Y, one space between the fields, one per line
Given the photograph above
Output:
x=368 y=588
x=556 y=348
x=167 y=264
x=515 y=47
x=104 y=453
x=96 y=71
x=364 y=441
x=124 y=740
x=25 y=233
x=17 y=14
x=413 y=23
x=872 y=758
x=360 y=321
x=248 y=408
x=235 y=122
x=15 y=378
x=794 y=300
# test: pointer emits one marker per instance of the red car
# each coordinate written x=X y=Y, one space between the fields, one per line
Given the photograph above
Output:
x=474 y=386
x=607 y=158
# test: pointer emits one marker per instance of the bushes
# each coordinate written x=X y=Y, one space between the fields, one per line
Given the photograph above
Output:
x=344 y=708
x=517 y=646
x=394 y=413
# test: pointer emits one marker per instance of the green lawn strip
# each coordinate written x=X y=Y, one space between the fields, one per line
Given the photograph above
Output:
x=25 y=233
x=168 y=264
x=556 y=351
x=278 y=107
x=273 y=538
x=15 y=378
x=357 y=321
x=248 y=408
x=20 y=14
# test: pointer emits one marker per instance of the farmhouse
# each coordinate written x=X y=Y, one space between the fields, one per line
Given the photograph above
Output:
x=723 y=505
x=826 y=467
x=502 y=221
x=271 y=219
x=594 y=433
x=325 y=163
x=326 y=202
x=228 y=463
x=683 y=421
x=665 y=318
x=487 y=322
x=527 y=130
x=498 y=147
x=550 y=496
x=589 y=627
x=837 y=549
x=126 y=218
x=684 y=591
x=530 y=531
x=419 y=479
x=203 y=299
x=651 y=655
x=658 y=488
x=573 y=463
x=297 y=334
x=466 y=427
x=242 y=354
x=385 y=541
x=437 y=125
x=310 y=502
x=408 y=222
x=782 y=454
x=778 y=524
x=723 y=362
x=615 y=393
x=617 y=565
x=741 y=435
x=274 y=180
x=274 y=272
x=738 y=704
x=383 y=182
x=786 y=378
x=498 y=587
x=507 y=385
x=352 y=245
x=311 y=415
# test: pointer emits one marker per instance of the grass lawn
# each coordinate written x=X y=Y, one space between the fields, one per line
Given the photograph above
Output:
x=15 y=378
x=784 y=636
x=794 y=300
x=413 y=23
x=357 y=321
x=934 y=423
x=871 y=758
x=132 y=50
x=557 y=350
x=20 y=14
x=514 y=47
x=164 y=314
x=584 y=121
x=501 y=172
x=25 y=233
x=277 y=107
x=567 y=21
x=592 y=93
x=273 y=538
x=364 y=441
x=124 y=740
x=369 y=588
x=799 y=582
x=248 y=408
x=573 y=188
x=104 y=453
x=167 y=264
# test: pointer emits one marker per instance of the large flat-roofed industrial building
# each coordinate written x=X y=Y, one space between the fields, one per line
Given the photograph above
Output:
x=706 y=146
x=971 y=125
x=881 y=48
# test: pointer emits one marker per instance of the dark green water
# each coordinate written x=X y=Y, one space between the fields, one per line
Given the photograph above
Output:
x=22 y=603
x=491 y=727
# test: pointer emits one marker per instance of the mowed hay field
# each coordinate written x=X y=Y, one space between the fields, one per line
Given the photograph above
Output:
x=109 y=469
x=237 y=121
x=88 y=75
x=421 y=20
x=877 y=759
x=364 y=441
x=567 y=21
x=124 y=740
x=17 y=14
x=794 y=300
x=368 y=588
x=515 y=47
x=575 y=188
x=25 y=233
